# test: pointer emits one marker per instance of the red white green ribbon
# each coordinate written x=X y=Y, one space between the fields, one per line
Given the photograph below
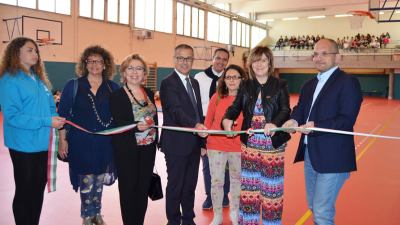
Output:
x=53 y=146
x=52 y=160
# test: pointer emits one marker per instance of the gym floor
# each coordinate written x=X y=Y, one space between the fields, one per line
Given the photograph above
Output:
x=371 y=196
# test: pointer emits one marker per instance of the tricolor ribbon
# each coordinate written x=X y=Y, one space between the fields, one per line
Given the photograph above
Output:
x=53 y=146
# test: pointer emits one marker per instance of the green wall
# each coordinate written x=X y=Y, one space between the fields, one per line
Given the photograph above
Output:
x=396 y=94
x=59 y=73
x=371 y=85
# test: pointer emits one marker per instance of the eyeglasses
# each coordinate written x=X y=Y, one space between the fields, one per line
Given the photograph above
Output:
x=183 y=59
x=96 y=62
x=323 y=54
x=232 y=77
x=133 y=69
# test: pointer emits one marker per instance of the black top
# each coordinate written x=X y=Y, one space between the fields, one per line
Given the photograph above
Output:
x=121 y=110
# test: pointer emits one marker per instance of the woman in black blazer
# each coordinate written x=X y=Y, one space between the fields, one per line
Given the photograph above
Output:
x=134 y=150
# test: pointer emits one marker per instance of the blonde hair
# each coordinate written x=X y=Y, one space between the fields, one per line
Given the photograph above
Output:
x=126 y=63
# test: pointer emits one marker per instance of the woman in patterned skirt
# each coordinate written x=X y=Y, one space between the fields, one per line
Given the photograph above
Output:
x=264 y=101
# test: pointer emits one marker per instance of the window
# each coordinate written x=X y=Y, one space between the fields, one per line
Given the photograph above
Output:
x=240 y=34
x=218 y=28
x=85 y=8
x=57 y=6
x=189 y=21
x=98 y=13
x=257 y=35
x=118 y=11
x=154 y=15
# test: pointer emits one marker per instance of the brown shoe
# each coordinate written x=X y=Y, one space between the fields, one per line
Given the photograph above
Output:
x=98 y=220
x=87 y=221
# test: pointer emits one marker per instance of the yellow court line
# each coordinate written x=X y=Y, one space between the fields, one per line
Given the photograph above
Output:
x=308 y=213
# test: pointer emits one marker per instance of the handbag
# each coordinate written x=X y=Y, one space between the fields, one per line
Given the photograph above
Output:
x=155 y=189
x=280 y=138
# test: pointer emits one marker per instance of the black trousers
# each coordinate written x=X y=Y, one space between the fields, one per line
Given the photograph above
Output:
x=30 y=176
x=182 y=172
x=134 y=169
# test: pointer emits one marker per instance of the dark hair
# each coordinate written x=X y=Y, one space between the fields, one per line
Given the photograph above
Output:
x=255 y=55
x=183 y=46
x=109 y=65
x=221 y=50
x=11 y=61
x=222 y=90
x=126 y=63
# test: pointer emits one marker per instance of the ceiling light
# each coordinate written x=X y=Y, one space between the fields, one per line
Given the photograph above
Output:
x=316 y=17
x=397 y=11
x=381 y=13
x=343 y=15
x=290 y=18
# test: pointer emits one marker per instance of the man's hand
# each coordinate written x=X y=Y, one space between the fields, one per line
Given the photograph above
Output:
x=200 y=126
x=289 y=124
x=309 y=124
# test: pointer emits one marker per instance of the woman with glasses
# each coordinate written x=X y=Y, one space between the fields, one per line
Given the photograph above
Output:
x=134 y=150
x=85 y=101
x=264 y=102
x=222 y=149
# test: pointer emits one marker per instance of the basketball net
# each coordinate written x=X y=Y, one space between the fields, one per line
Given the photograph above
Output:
x=356 y=21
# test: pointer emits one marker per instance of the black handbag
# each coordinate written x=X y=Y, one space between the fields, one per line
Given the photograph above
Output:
x=155 y=189
x=280 y=138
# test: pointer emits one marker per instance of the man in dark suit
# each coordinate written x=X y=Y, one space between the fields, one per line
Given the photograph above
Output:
x=331 y=100
x=181 y=105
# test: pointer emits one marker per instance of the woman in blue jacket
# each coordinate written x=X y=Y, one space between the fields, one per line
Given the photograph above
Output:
x=90 y=156
x=29 y=113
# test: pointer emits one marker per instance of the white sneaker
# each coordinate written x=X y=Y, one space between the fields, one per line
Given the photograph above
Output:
x=234 y=217
x=217 y=219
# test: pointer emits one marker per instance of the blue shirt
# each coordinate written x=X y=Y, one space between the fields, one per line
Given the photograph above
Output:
x=27 y=107
x=88 y=153
x=322 y=78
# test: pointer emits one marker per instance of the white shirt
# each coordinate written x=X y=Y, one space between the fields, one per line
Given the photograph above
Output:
x=183 y=79
x=322 y=78
x=205 y=84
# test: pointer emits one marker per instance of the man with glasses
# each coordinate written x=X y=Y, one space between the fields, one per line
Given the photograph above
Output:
x=181 y=104
x=330 y=100
x=208 y=83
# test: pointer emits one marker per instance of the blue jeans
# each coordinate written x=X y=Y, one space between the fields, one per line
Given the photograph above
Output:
x=322 y=191
x=91 y=191
x=207 y=177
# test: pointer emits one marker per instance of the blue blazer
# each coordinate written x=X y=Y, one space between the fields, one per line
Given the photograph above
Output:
x=336 y=107
x=178 y=111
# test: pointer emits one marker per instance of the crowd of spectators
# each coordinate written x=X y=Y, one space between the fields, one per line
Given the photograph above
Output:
x=359 y=41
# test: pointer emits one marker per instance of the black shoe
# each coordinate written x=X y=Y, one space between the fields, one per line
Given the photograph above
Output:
x=207 y=204
x=225 y=202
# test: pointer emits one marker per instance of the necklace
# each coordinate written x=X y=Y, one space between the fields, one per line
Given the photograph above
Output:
x=104 y=124
x=144 y=104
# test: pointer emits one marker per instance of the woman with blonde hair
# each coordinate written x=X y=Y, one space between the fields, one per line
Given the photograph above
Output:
x=264 y=102
x=134 y=150
x=85 y=101
x=29 y=113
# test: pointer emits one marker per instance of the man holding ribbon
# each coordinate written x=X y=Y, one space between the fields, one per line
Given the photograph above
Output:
x=181 y=105
x=331 y=100
x=208 y=85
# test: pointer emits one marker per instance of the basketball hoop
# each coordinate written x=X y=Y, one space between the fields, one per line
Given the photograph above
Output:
x=357 y=18
x=45 y=41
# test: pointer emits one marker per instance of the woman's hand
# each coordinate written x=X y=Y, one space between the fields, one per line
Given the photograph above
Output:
x=267 y=129
x=290 y=124
x=227 y=124
x=63 y=148
x=142 y=126
x=57 y=122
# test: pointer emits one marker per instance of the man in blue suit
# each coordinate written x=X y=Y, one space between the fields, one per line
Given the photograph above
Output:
x=331 y=100
x=181 y=105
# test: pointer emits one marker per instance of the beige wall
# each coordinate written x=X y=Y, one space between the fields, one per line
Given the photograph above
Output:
x=80 y=32
x=333 y=28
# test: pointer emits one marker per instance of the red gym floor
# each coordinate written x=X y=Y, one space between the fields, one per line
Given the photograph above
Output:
x=370 y=197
